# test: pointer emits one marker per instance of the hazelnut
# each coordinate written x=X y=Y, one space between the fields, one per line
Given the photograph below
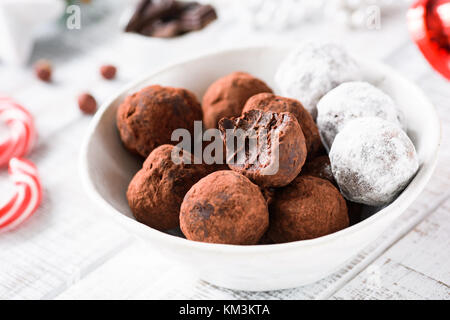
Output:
x=108 y=71
x=87 y=103
x=43 y=70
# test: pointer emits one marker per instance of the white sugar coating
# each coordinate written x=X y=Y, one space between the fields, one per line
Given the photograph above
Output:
x=372 y=161
x=351 y=100
x=313 y=69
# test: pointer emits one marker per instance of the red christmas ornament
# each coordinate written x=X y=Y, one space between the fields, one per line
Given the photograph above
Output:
x=429 y=25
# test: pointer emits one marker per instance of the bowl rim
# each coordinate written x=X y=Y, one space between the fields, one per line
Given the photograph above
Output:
x=403 y=201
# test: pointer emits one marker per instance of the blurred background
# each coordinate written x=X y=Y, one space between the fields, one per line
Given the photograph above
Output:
x=67 y=240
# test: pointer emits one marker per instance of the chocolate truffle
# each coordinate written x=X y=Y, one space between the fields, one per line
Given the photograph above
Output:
x=271 y=102
x=146 y=119
x=156 y=192
x=372 y=161
x=267 y=147
x=226 y=96
x=352 y=100
x=307 y=208
x=319 y=167
x=313 y=69
x=224 y=207
x=268 y=194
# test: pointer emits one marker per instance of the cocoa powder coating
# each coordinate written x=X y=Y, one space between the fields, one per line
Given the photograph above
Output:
x=278 y=154
x=146 y=119
x=319 y=167
x=271 y=102
x=156 y=192
x=224 y=207
x=308 y=208
x=226 y=96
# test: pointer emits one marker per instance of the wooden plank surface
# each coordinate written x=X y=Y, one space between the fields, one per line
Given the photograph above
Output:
x=71 y=250
x=416 y=267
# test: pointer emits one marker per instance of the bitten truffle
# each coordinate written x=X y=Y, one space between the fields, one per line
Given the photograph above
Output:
x=226 y=96
x=156 y=192
x=267 y=147
x=146 y=119
x=307 y=208
x=224 y=207
x=372 y=161
x=271 y=102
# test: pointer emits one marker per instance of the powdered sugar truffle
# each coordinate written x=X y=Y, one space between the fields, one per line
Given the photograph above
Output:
x=352 y=100
x=313 y=69
x=372 y=161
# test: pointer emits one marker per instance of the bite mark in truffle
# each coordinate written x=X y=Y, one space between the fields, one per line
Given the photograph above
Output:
x=271 y=102
x=267 y=147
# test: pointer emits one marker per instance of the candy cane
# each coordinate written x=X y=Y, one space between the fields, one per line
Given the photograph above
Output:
x=26 y=197
x=21 y=127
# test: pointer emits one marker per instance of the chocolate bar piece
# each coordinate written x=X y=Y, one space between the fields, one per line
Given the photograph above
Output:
x=148 y=12
x=162 y=29
x=169 y=18
x=197 y=17
x=162 y=9
x=135 y=20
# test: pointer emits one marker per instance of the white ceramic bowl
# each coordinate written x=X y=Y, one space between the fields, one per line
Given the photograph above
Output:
x=107 y=168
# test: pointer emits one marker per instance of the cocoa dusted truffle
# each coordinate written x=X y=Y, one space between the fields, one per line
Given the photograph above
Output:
x=319 y=167
x=224 y=207
x=308 y=208
x=157 y=190
x=271 y=102
x=268 y=194
x=226 y=96
x=267 y=147
x=147 y=118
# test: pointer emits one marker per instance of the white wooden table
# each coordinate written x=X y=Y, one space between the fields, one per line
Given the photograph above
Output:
x=70 y=250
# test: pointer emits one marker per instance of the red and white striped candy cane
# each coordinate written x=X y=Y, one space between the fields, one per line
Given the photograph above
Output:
x=21 y=127
x=26 y=197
